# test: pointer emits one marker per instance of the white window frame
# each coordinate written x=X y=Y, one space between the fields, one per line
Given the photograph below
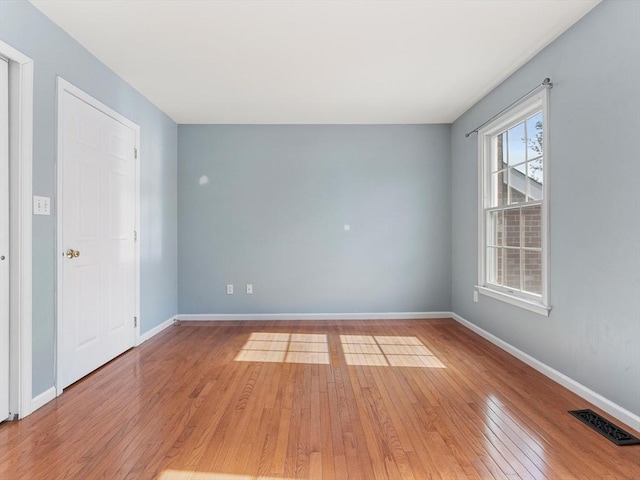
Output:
x=514 y=116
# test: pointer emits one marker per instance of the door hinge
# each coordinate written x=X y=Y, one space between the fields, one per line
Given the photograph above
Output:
x=135 y=322
x=135 y=153
x=135 y=236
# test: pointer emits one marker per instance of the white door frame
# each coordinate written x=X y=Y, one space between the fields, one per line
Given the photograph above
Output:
x=65 y=86
x=20 y=219
x=4 y=239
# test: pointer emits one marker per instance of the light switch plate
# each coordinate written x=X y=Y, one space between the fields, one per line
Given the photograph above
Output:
x=41 y=205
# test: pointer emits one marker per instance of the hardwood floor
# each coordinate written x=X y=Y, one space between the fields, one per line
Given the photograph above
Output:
x=313 y=400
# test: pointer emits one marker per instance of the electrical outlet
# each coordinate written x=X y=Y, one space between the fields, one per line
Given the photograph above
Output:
x=41 y=205
x=229 y=289
x=475 y=296
x=249 y=289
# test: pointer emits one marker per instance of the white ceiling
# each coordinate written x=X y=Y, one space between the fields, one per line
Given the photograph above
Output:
x=314 y=62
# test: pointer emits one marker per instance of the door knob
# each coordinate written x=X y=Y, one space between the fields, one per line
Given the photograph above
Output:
x=73 y=253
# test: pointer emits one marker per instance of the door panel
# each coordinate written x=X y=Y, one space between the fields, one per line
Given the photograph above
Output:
x=88 y=201
x=98 y=221
x=86 y=305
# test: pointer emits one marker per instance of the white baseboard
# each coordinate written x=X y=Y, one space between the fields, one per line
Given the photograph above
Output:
x=44 y=397
x=598 y=400
x=314 y=316
x=155 y=330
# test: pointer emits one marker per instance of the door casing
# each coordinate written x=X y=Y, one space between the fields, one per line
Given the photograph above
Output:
x=4 y=240
x=21 y=69
x=65 y=86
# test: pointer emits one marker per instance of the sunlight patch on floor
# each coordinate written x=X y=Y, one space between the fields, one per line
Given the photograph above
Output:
x=285 y=348
x=365 y=350
x=189 y=475
x=388 y=351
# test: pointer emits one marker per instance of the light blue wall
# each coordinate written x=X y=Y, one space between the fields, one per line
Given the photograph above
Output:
x=593 y=332
x=274 y=210
x=56 y=53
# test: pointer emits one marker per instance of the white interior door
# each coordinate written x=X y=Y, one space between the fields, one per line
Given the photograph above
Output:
x=4 y=239
x=97 y=200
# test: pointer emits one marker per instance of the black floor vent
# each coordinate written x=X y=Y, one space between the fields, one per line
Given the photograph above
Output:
x=605 y=427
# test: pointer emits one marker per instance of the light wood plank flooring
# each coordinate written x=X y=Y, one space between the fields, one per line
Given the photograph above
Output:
x=313 y=400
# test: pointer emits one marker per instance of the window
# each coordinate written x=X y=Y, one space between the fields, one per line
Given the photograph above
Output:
x=513 y=216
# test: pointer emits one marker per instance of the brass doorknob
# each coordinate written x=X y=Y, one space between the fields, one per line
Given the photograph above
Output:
x=71 y=253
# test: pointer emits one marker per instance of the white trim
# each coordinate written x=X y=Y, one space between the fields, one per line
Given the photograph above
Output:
x=546 y=201
x=620 y=413
x=156 y=330
x=43 y=398
x=532 y=306
x=4 y=240
x=62 y=87
x=20 y=165
x=485 y=149
x=314 y=316
x=136 y=267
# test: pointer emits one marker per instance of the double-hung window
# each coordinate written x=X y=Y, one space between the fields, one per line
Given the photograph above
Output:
x=513 y=213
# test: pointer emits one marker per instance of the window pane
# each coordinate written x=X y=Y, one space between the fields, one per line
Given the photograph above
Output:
x=532 y=271
x=501 y=152
x=517 y=186
x=494 y=265
x=517 y=144
x=512 y=268
x=534 y=136
x=532 y=226
x=495 y=229
x=512 y=227
x=534 y=170
x=498 y=189
x=535 y=178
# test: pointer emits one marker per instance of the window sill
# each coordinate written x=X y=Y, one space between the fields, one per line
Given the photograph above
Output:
x=530 y=305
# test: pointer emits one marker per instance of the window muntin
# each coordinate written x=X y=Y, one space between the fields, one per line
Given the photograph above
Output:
x=513 y=204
